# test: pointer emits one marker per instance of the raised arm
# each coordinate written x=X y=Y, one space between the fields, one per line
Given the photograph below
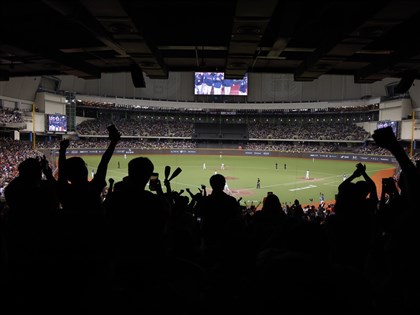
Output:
x=357 y=173
x=373 y=193
x=166 y=204
x=114 y=136
x=62 y=175
x=386 y=138
x=46 y=169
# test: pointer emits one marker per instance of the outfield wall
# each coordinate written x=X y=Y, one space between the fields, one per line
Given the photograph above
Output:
x=238 y=152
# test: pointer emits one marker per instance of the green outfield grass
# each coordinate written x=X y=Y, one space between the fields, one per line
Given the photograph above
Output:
x=242 y=173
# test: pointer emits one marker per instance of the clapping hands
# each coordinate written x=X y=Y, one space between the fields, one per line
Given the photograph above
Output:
x=360 y=170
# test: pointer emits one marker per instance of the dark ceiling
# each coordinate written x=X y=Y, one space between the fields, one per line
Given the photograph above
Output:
x=370 y=40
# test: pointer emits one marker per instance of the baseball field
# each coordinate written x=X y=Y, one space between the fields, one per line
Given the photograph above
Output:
x=285 y=177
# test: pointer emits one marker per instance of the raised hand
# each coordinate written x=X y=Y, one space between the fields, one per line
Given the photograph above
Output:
x=358 y=171
x=385 y=138
x=64 y=144
x=114 y=134
x=44 y=163
x=46 y=169
x=361 y=168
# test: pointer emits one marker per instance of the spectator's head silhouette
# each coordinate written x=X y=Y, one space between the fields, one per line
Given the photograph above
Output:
x=217 y=182
x=76 y=169
x=361 y=189
x=140 y=169
x=30 y=169
x=272 y=204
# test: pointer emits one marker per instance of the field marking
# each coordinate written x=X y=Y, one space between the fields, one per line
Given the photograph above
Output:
x=305 y=180
x=302 y=188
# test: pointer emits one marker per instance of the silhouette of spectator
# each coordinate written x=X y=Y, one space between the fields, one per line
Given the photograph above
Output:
x=137 y=217
x=223 y=243
x=32 y=204
x=351 y=229
x=402 y=239
x=220 y=217
x=83 y=223
x=77 y=195
x=385 y=138
x=37 y=190
x=265 y=222
x=284 y=246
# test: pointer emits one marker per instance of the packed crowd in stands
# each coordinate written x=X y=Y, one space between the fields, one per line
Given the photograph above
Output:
x=174 y=128
x=307 y=130
x=370 y=149
x=8 y=116
x=68 y=249
x=137 y=127
x=159 y=144
x=12 y=153
x=291 y=147
x=152 y=144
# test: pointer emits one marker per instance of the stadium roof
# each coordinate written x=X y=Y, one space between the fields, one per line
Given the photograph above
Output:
x=370 y=40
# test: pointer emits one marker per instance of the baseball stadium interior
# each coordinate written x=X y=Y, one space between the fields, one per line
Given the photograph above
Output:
x=290 y=129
